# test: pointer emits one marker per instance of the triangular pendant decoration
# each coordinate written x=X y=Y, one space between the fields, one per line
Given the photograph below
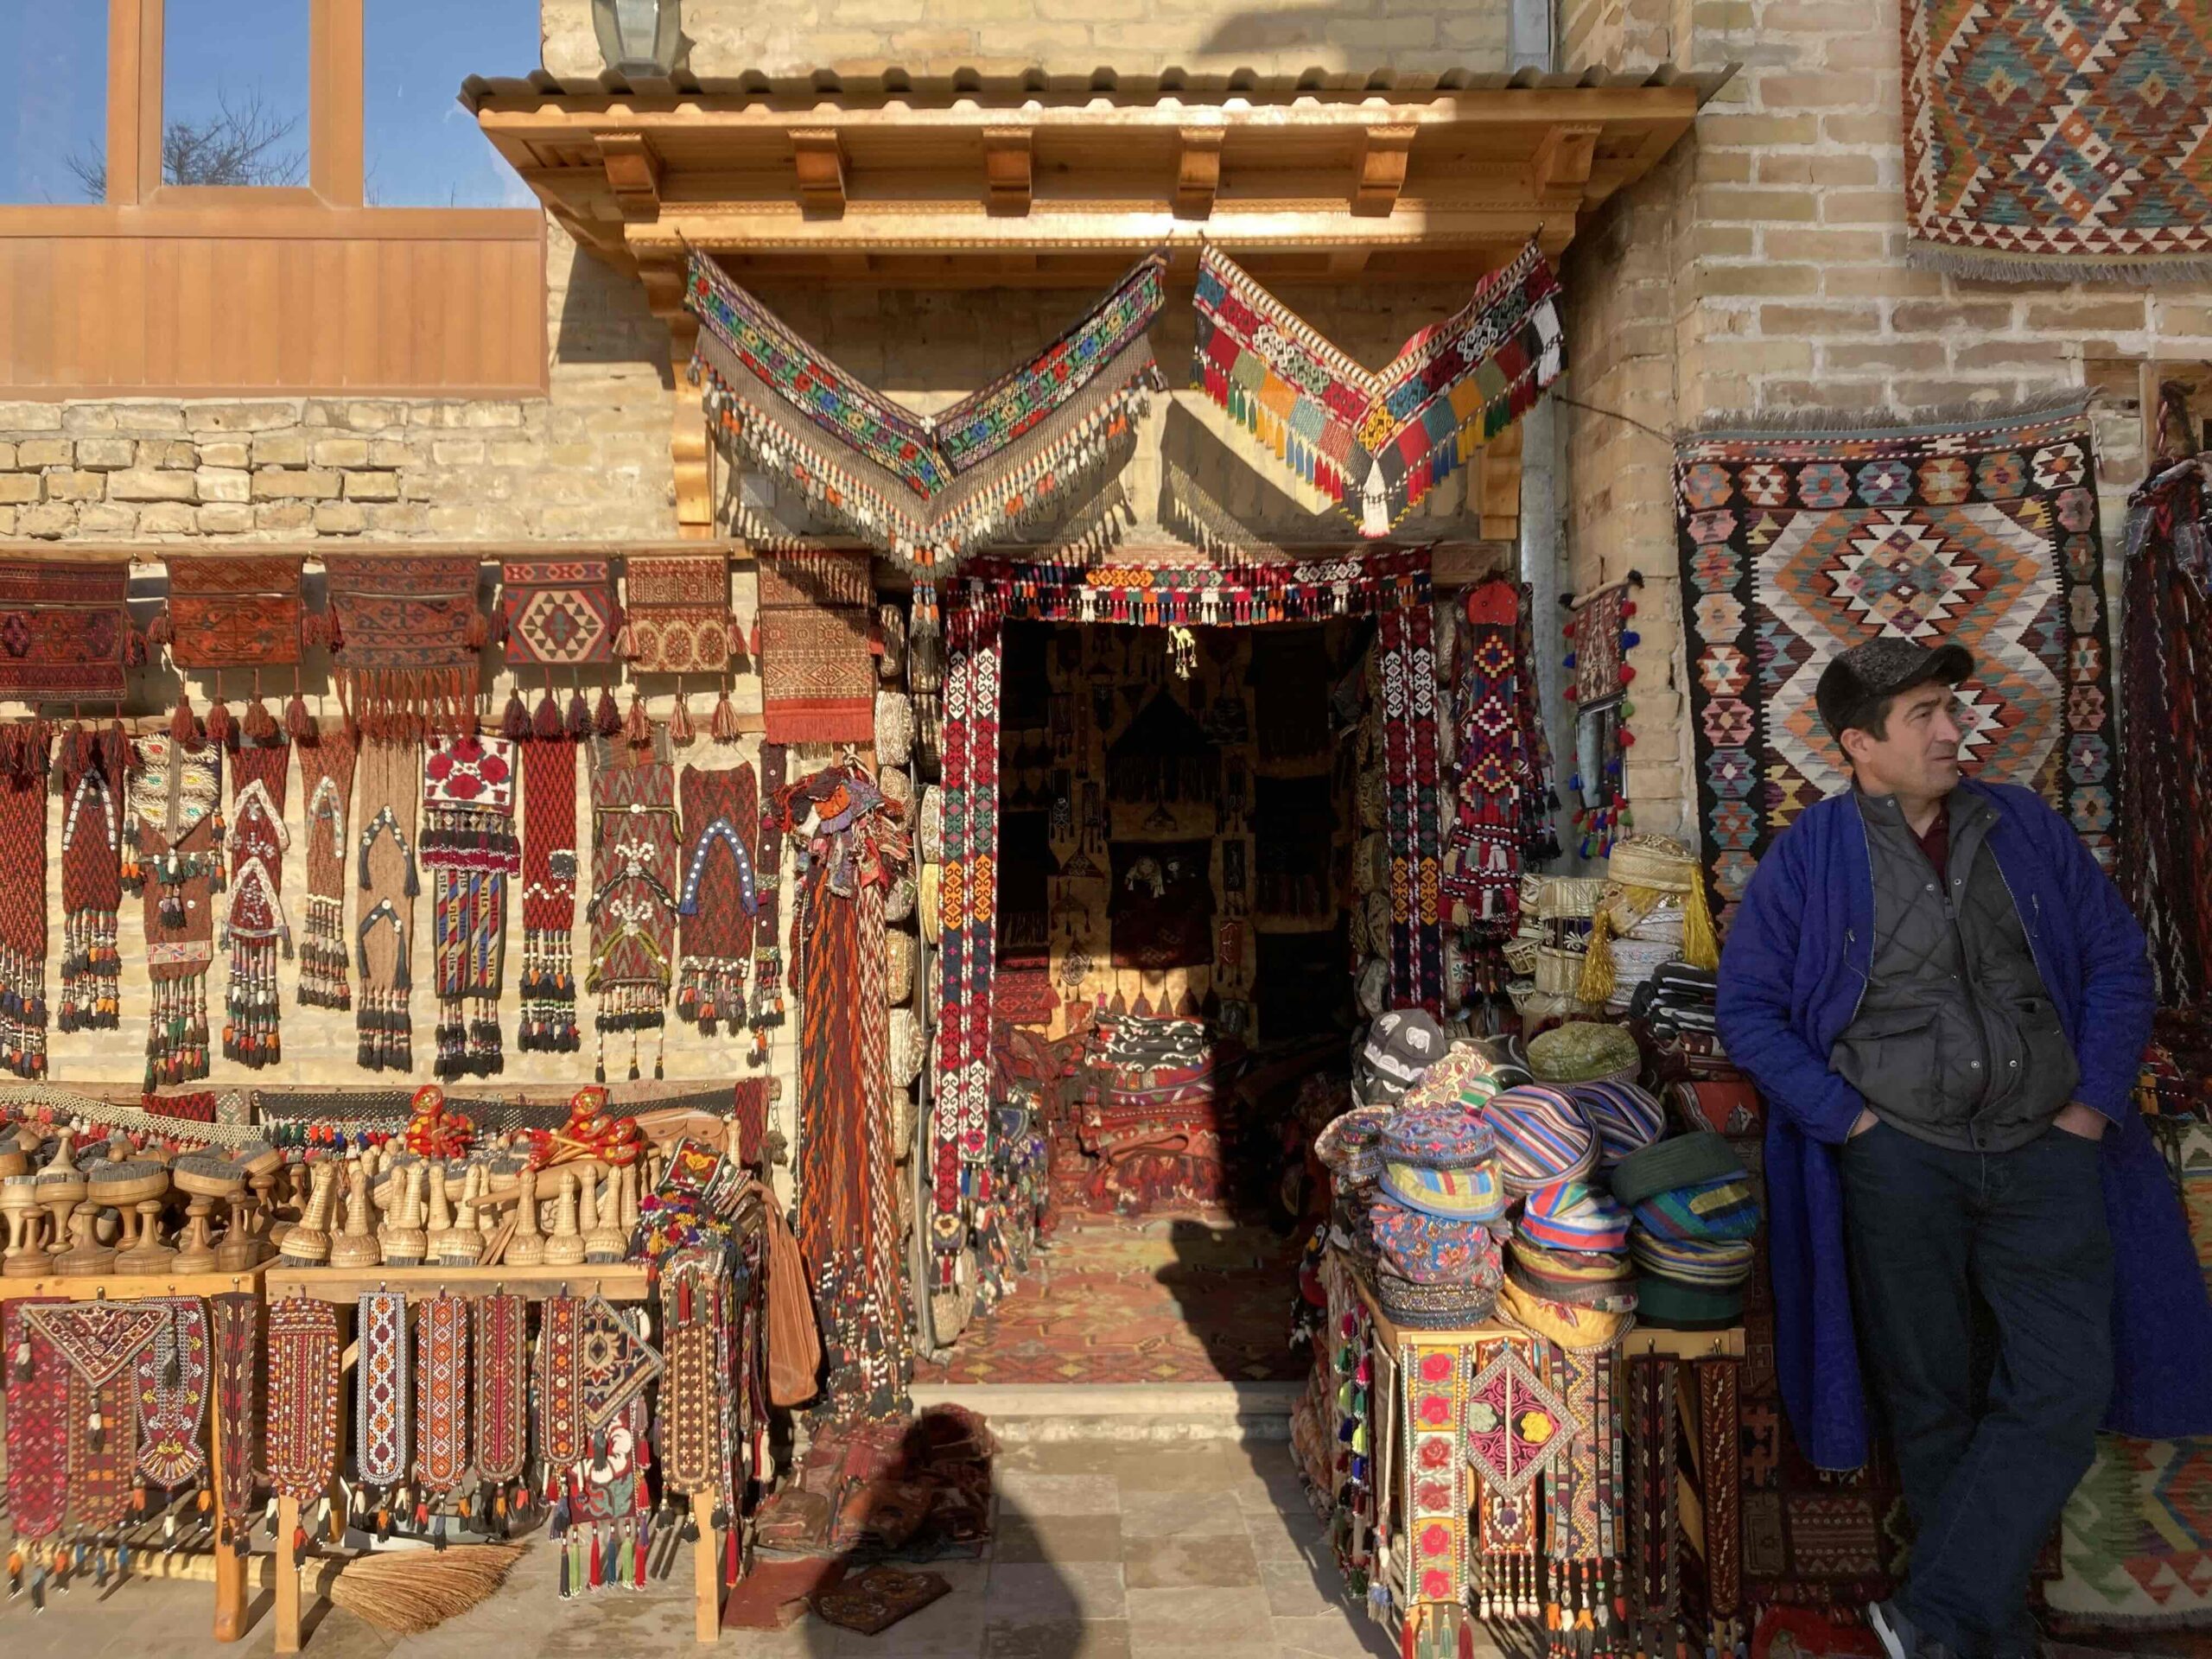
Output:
x=1376 y=443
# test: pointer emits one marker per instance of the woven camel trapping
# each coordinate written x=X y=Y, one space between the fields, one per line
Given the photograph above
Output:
x=2046 y=141
x=1378 y=443
x=236 y=1319
x=557 y=613
x=234 y=611
x=174 y=856
x=93 y=763
x=928 y=489
x=635 y=853
x=406 y=631
x=718 y=899
x=304 y=1392
x=255 y=930
x=766 y=1013
x=677 y=617
x=386 y=878
x=469 y=849
x=818 y=675
x=24 y=752
x=170 y=1382
x=548 y=1023
x=64 y=633
x=327 y=789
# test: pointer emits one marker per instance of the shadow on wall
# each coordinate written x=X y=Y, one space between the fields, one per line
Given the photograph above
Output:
x=602 y=318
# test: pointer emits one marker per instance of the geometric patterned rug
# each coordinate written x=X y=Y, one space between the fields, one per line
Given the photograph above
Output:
x=1794 y=547
x=1151 y=1299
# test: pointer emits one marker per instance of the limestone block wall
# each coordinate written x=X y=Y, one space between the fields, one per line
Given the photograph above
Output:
x=936 y=37
x=1762 y=271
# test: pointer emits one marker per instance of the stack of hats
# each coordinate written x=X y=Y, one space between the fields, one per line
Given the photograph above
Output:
x=1653 y=904
x=1582 y=1051
x=1694 y=1213
x=1437 y=1259
x=1678 y=1000
x=1399 y=1048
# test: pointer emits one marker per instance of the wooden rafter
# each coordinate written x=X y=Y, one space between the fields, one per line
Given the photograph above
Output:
x=818 y=158
x=1382 y=154
x=632 y=173
x=1198 y=171
x=1007 y=163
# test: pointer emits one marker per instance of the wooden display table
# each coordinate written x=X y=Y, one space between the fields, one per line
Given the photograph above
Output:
x=616 y=1281
x=230 y=1569
x=1643 y=1341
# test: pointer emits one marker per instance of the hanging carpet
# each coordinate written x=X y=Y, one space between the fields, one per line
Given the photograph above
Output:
x=23 y=759
x=469 y=846
x=927 y=489
x=557 y=613
x=326 y=784
x=2046 y=141
x=174 y=857
x=233 y=611
x=1376 y=443
x=383 y=922
x=676 y=616
x=635 y=855
x=65 y=635
x=548 y=1024
x=255 y=930
x=719 y=900
x=407 y=633
x=817 y=676
x=1795 y=546
x=92 y=765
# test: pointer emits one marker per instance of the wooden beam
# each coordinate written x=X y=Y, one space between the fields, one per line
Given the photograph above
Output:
x=1382 y=154
x=818 y=154
x=634 y=172
x=1563 y=158
x=1198 y=171
x=1006 y=164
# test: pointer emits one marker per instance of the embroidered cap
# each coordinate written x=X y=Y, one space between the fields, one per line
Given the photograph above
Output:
x=1605 y=1282
x=1432 y=1308
x=1440 y=1160
x=1582 y=1051
x=1401 y=1045
x=1349 y=1146
x=1430 y=1250
x=1541 y=1139
x=1627 y=1118
x=1563 y=1324
x=1574 y=1216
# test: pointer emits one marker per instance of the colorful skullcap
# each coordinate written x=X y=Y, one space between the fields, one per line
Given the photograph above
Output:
x=1721 y=1264
x=1436 y=1137
x=1724 y=1209
x=1350 y=1145
x=1575 y=1216
x=1469 y=1193
x=1541 y=1137
x=1432 y=1308
x=1626 y=1117
x=1401 y=1045
x=1605 y=1282
x=1430 y=1250
x=1583 y=1051
x=1446 y=1082
x=1563 y=1324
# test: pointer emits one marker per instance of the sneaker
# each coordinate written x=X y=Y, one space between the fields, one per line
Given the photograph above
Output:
x=1899 y=1636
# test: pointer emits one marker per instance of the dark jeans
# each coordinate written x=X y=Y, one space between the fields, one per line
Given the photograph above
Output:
x=1987 y=1462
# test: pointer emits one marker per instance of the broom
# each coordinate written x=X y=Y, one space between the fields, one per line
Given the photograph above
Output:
x=410 y=1592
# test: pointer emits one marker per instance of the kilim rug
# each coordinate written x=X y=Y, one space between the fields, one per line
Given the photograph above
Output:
x=927 y=489
x=25 y=750
x=677 y=617
x=471 y=852
x=1378 y=443
x=1795 y=548
x=557 y=613
x=406 y=632
x=64 y=633
x=2049 y=139
x=817 y=678
x=232 y=612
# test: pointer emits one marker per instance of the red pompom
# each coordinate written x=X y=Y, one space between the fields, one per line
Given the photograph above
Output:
x=638 y=728
x=184 y=727
x=605 y=720
x=297 y=722
x=219 y=729
x=724 y=725
x=546 y=723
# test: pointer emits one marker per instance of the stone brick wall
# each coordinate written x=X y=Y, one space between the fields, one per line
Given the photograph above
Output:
x=936 y=37
x=1762 y=271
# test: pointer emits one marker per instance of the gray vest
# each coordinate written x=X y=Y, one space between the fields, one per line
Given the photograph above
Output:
x=1955 y=1041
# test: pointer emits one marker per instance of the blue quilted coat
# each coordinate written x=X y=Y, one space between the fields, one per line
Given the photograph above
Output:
x=1799 y=950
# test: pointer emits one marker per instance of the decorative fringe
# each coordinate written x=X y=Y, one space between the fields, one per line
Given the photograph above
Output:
x=1984 y=265
x=1598 y=963
x=1748 y=425
x=409 y=705
x=724 y=725
x=176 y=1034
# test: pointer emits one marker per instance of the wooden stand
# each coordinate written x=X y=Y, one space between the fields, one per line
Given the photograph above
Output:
x=618 y=1283
x=1643 y=1342
x=232 y=1571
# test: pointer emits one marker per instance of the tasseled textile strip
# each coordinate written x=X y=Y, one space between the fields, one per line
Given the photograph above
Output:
x=303 y=1396
x=469 y=848
x=1538 y=793
x=406 y=635
x=502 y=1424
x=556 y=1393
x=326 y=785
x=719 y=898
x=1482 y=865
x=767 y=1009
x=92 y=764
x=255 y=929
x=170 y=1382
x=1582 y=1543
x=549 y=895
x=749 y=1114
x=384 y=1445
x=37 y=1383
x=23 y=752
x=441 y=1393
x=693 y=1303
x=1654 y=1541
x=1720 y=1434
x=635 y=853
x=1435 y=1379
x=237 y=1320
x=385 y=874
x=1411 y=811
x=174 y=857
x=102 y=1442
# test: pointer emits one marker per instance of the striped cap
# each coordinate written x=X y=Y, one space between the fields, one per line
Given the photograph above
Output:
x=1725 y=1208
x=1626 y=1117
x=1541 y=1137
x=1471 y=1192
x=1605 y=1282
x=1720 y=1265
x=1574 y=1216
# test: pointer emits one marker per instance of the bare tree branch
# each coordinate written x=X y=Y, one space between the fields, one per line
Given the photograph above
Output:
x=241 y=143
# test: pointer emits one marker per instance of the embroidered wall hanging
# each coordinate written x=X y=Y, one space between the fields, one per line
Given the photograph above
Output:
x=99 y=1342
x=171 y=1381
x=719 y=898
x=2040 y=143
x=1411 y=809
x=469 y=848
x=326 y=785
x=407 y=632
x=1539 y=794
x=767 y=1012
x=1435 y=1379
x=1376 y=443
x=384 y=922
x=927 y=489
x=635 y=854
x=548 y=1024
x=382 y=1398
x=255 y=928
x=92 y=765
x=501 y=1430
x=818 y=676
x=303 y=1396
x=102 y=1445
x=1599 y=688
x=1385 y=582
x=1517 y=1427
x=557 y=613
x=233 y=611
x=65 y=635
x=1582 y=1493
x=1481 y=875
x=23 y=757
x=174 y=856
x=676 y=614
x=441 y=1394
x=236 y=1318
x=1794 y=547
x=614 y=1363
x=557 y=1382
x=38 y=1399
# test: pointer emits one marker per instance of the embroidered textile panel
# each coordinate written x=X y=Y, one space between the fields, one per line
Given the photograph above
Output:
x=64 y=632
x=557 y=613
x=817 y=673
x=234 y=611
x=676 y=616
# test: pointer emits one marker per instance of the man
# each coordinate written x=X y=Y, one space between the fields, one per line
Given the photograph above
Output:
x=1945 y=1001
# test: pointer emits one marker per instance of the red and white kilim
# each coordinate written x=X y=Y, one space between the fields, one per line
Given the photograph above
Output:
x=442 y=1393
x=380 y=1392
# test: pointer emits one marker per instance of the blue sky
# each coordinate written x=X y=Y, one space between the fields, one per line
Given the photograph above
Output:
x=423 y=149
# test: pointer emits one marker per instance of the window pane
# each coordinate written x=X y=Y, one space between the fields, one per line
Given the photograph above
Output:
x=53 y=101
x=421 y=149
x=234 y=91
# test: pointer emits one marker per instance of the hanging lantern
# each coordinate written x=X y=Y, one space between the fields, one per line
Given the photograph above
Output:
x=638 y=37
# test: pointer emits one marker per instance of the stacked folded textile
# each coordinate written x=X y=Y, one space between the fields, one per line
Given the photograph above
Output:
x=1677 y=998
x=1159 y=1110
x=1694 y=1214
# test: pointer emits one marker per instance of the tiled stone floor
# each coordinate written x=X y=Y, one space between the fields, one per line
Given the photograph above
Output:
x=1100 y=1550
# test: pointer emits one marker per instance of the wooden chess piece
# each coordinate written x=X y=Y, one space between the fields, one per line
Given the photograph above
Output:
x=605 y=1239
x=308 y=1242
x=405 y=1243
x=136 y=1190
x=527 y=1248
x=566 y=1248
x=26 y=1258
x=355 y=1247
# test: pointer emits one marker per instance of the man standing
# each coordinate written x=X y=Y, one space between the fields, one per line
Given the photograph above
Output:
x=1945 y=1000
